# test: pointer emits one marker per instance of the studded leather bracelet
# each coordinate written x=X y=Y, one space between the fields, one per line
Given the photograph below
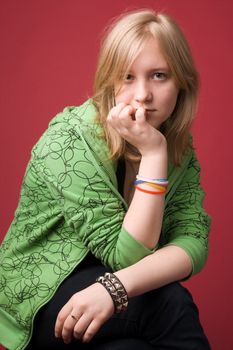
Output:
x=116 y=290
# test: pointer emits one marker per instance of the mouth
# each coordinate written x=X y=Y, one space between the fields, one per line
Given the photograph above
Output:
x=150 y=110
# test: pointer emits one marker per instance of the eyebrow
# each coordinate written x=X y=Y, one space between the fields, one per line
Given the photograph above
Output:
x=167 y=69
x=159 y=68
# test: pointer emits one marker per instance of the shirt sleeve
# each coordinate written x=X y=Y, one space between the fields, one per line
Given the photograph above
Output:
x=186 y=223
x=89 y=206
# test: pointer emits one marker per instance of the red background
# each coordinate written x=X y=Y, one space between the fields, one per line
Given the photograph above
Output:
x=48 y=56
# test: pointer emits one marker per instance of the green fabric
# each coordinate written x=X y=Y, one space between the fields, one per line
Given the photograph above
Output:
x=69 y=205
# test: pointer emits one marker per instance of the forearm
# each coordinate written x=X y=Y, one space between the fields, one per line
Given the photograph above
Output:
x=166 y=265
x=143 y=219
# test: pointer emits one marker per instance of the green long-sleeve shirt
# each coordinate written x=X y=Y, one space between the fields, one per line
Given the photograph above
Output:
x=70 y=205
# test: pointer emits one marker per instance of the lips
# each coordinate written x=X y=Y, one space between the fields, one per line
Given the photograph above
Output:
x=147 y=110
x=150 y=110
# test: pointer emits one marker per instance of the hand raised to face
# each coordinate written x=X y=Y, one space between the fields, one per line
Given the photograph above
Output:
x=132 y=125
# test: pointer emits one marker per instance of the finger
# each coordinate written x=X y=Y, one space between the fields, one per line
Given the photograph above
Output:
x=114 y=112
x=124 y=119
x=91 y=330
x=68 y=327
x=61 y=317
x=126 y=116
x=81 y=326
x=140 y=115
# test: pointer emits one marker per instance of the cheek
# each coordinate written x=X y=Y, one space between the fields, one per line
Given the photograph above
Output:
x=170 y=98
x=123 y=95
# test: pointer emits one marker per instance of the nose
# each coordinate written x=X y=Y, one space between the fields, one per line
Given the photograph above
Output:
x=143 y=93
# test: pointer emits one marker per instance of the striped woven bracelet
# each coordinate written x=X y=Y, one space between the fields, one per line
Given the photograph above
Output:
x=159 y=187
x=160 y=181
x=148 y=191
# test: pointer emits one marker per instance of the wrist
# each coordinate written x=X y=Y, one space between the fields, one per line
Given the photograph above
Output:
x=158 y=150
x=116 y=290
x=157 y=155
x=154 y=165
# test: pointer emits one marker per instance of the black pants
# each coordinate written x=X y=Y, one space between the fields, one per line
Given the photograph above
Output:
x=165 y=318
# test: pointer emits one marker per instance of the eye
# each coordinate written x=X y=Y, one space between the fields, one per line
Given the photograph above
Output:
x=128 y=77
x=159 y=76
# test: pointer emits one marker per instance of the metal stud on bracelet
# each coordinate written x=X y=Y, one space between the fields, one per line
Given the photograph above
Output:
x=116 y=290
x=121 y=292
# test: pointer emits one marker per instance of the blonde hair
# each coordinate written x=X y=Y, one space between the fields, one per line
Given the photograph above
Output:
x=122 y=44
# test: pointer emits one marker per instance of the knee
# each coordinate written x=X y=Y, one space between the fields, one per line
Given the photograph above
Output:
x=175 y=297
x=167 y=303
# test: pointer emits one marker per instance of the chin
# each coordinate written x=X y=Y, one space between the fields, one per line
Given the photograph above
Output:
x=155 y=125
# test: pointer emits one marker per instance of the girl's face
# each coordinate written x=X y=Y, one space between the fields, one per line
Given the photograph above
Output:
x=149 y=84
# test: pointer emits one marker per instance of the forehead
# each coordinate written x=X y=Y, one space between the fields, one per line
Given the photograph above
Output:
x=150 y=56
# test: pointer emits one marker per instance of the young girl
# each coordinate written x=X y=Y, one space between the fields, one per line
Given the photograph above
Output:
x=113 y=186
